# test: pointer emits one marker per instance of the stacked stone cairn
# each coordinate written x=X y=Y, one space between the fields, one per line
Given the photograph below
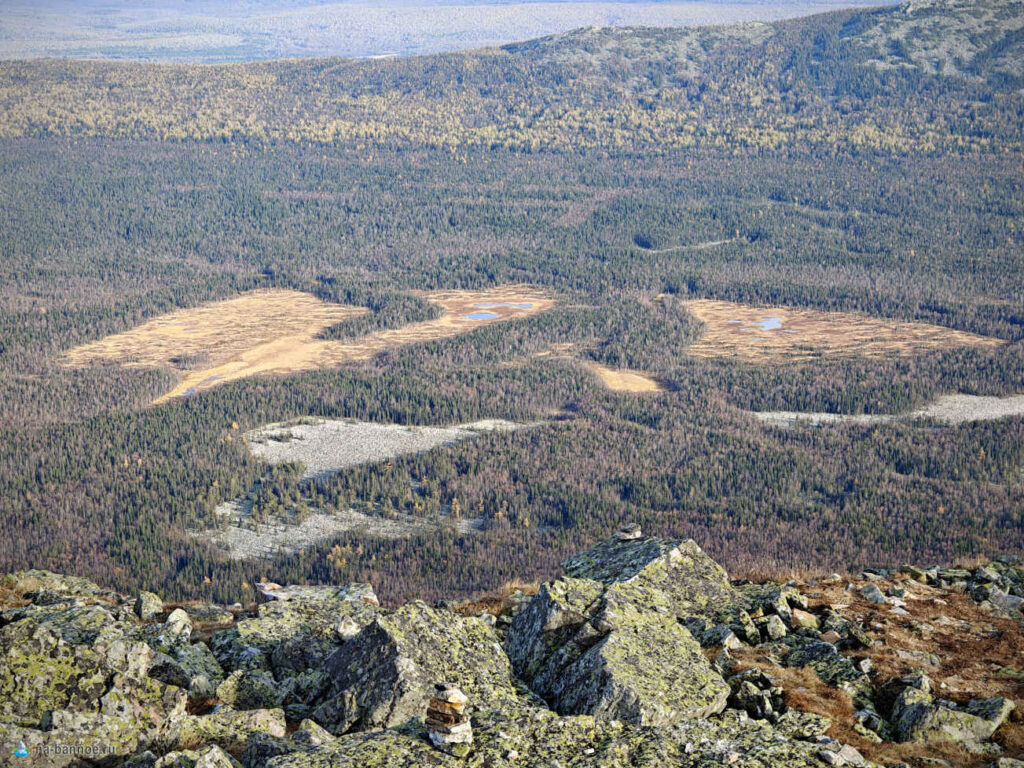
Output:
x=447 y=722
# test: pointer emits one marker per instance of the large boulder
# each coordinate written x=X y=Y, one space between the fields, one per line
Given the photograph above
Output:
x=617 y=652
x=691 y=582
x=645 y=669
x=549 y=622
x=918 y=717
x=385 y=675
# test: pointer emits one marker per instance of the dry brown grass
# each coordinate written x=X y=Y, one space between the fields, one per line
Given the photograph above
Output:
x=498 y=602
x=979 y=655
x=806 y=692
x=731 y=330
x=973 y=648
x=276 y=332
x=622 y=380
x=759 y=573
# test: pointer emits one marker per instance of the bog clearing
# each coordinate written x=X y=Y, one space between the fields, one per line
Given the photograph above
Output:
x=777 y=334
x=275 y=331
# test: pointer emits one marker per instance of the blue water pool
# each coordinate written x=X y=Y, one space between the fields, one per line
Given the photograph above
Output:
x=769 y=323
x=481 y=316
x=504 y=304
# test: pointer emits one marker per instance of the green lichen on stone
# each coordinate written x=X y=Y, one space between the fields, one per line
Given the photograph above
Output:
x=647 y=669
x=918 y=717
x=230 y=729
x=538 y=737
x=692 y=582
x=383 y=676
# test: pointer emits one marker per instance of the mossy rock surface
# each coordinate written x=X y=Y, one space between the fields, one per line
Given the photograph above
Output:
x=615 y=648
x=538 y=737
x=693 y=583
x=647 y=669
x=385 y=674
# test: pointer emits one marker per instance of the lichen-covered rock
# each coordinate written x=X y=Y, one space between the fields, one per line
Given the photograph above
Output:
x=384 y=675
x=645 y=668
x=207 y=757
x=692 y=583
x=229 y=728
x=296 y=631
x=191 y=666
x=356 y=592
x=850 y=634
x=550 y=621
x=249 y=689
x=755 y=693
x=40 y=672
x=774 y=627
x=307 y=737
x=120 y=719
x=207 y=614
x=178 y=625
x=538 y=737
x=616 y=651
x=802 y=725
x=831 y=666
x=148 y=605
x=31 y=584
x=917 y=716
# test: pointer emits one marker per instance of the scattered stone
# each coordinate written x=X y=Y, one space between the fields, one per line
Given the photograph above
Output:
x=629 y=532
x=872 y=594
x=148 y=605
x=919 y=657
x=178 y=625
x=831 y=637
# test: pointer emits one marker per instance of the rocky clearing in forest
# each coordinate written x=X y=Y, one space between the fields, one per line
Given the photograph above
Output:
x=949 y=409
x=324 y=446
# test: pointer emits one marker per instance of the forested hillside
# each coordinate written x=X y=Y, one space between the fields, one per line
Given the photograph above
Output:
x=847 y=80
x=623 y=173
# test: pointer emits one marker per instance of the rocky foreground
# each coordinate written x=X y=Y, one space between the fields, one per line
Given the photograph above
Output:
x=643 y=654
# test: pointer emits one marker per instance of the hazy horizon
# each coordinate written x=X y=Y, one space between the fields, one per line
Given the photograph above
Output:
x=219 y=32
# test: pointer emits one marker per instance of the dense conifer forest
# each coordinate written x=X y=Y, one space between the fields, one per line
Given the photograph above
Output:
x=807 y=164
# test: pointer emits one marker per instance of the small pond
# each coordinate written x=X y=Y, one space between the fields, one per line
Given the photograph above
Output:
x=480 y=316
x=769 y=323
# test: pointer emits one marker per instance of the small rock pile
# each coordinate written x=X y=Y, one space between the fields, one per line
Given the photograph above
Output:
x=447 y=722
